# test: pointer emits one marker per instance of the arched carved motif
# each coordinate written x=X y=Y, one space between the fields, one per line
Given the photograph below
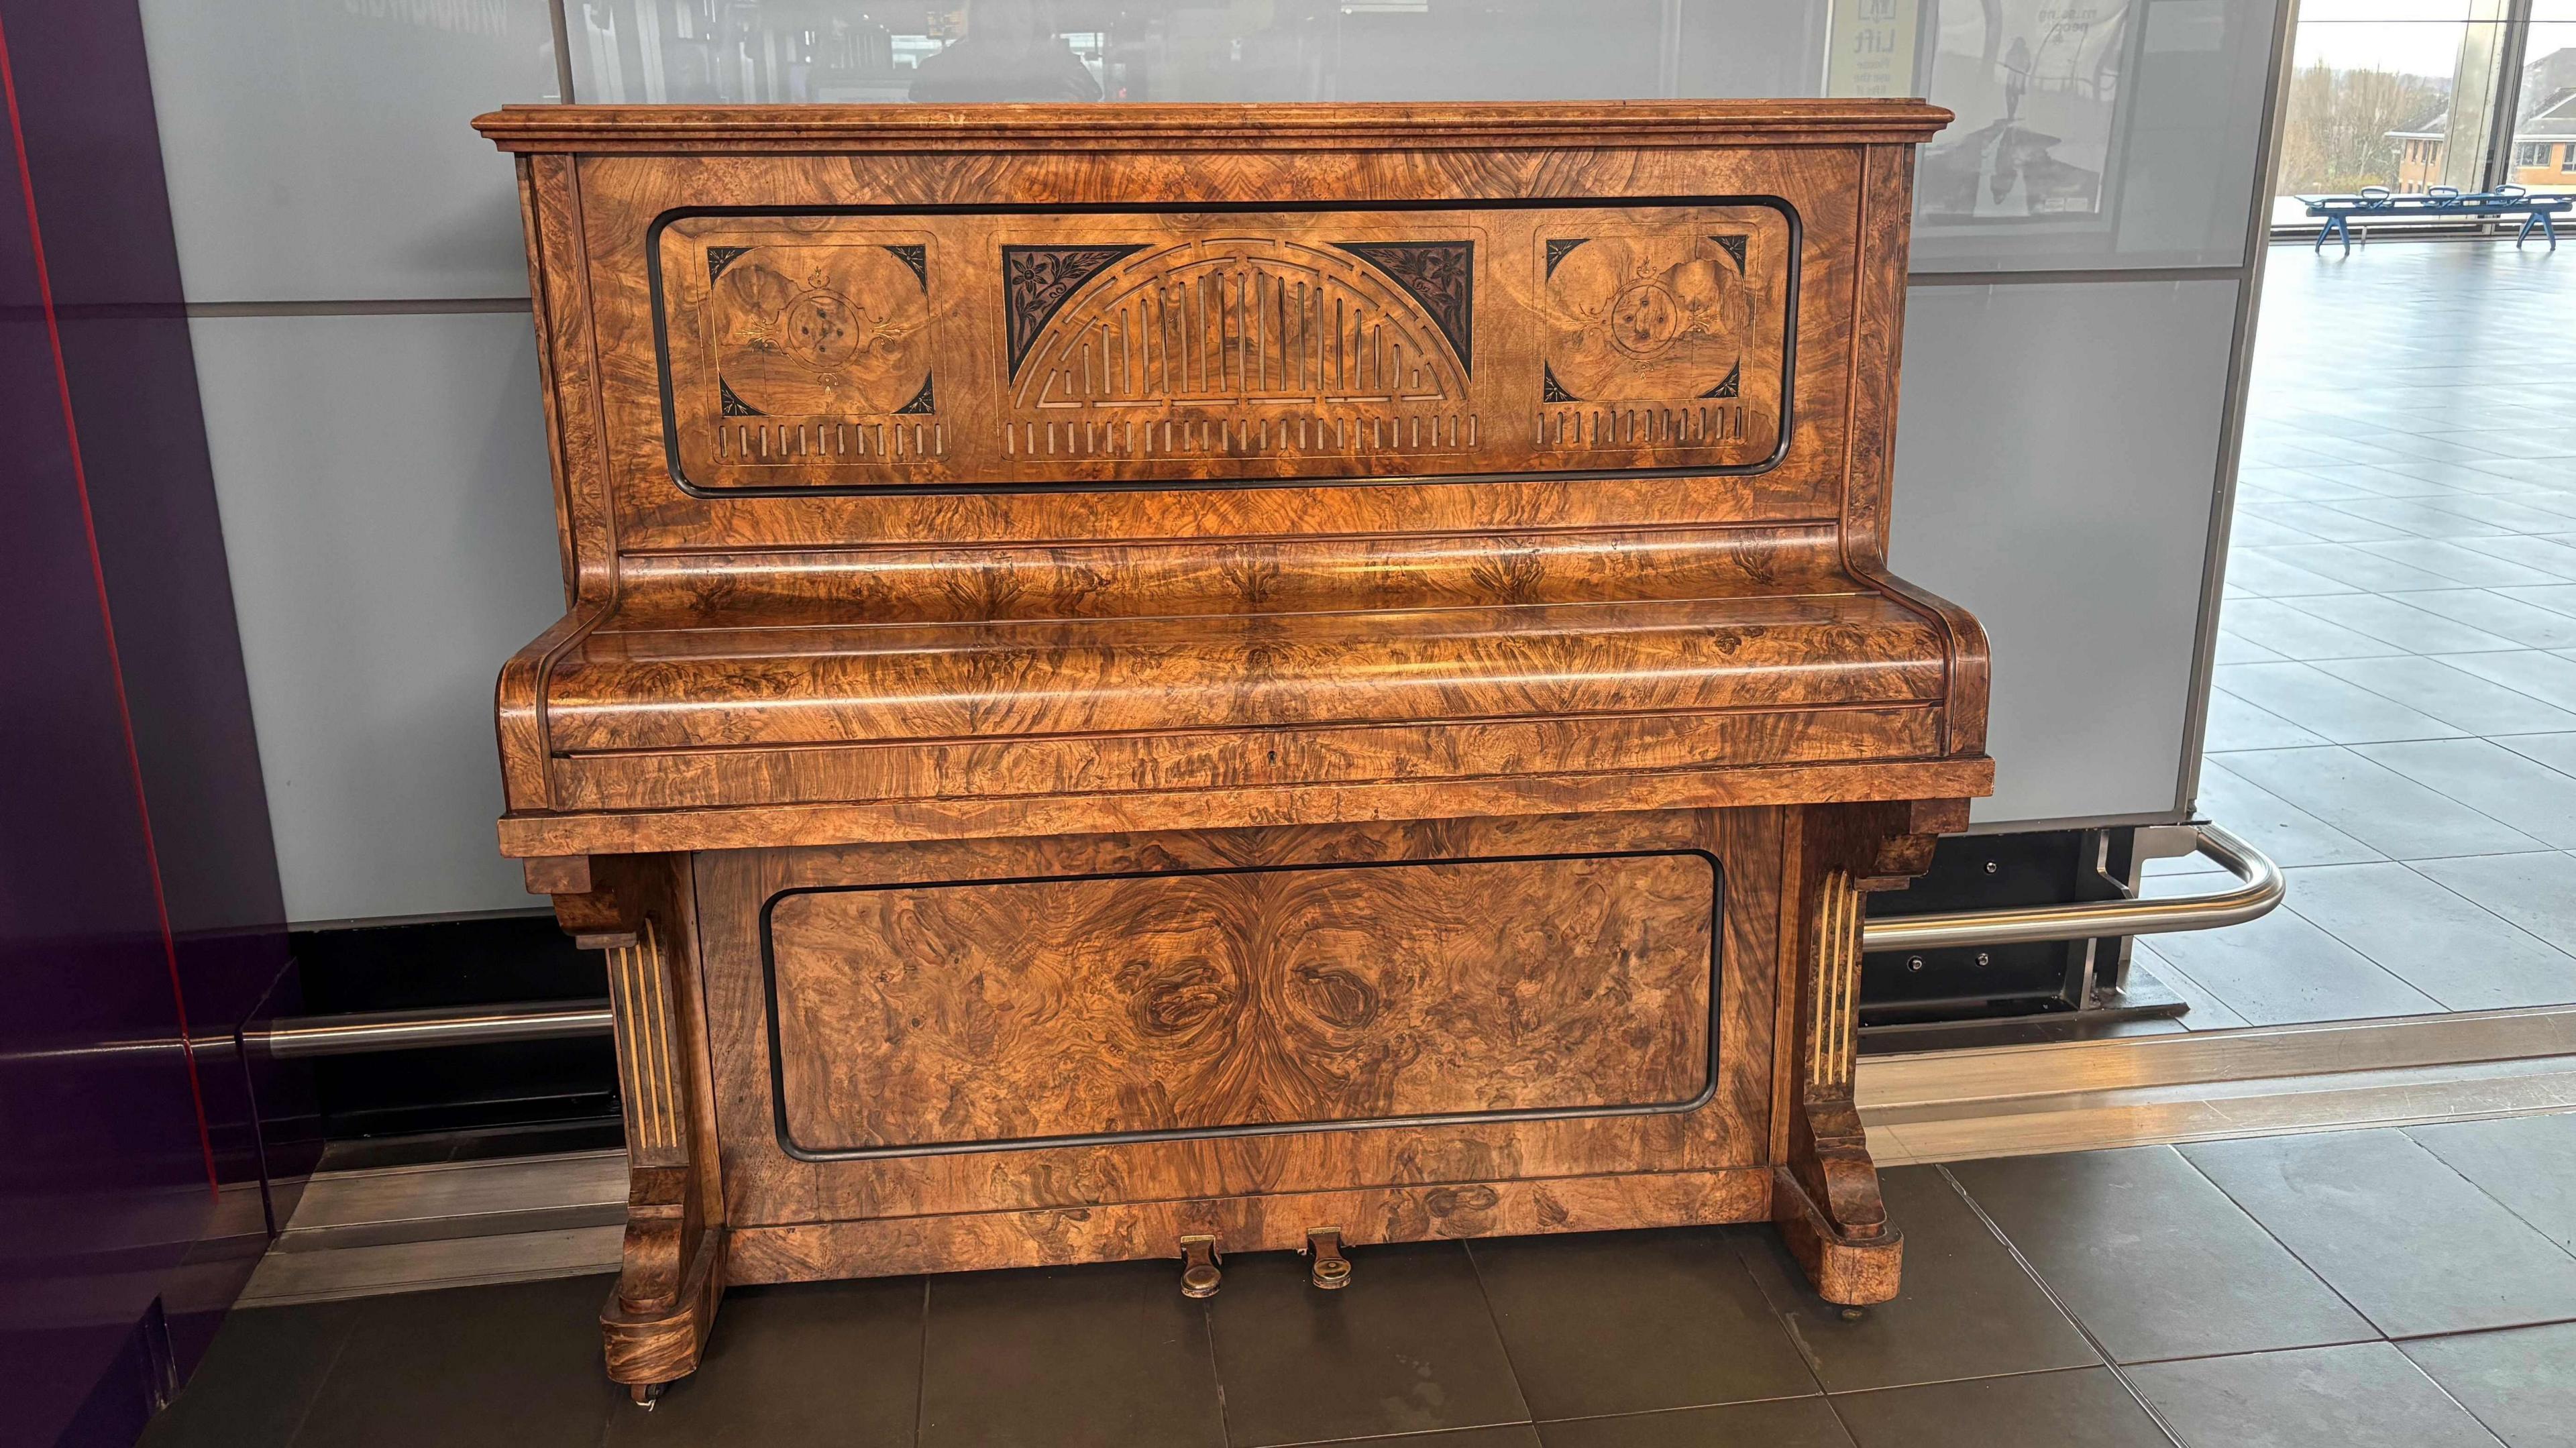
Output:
x=1230 y=320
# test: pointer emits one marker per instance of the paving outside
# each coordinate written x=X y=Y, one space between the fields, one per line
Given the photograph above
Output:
x=2394 y=717
x=2388 y=1287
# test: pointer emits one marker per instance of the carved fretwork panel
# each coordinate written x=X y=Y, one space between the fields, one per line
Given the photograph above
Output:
x=868 y=351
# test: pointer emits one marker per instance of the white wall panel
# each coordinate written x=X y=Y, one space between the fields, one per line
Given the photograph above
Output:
x=390 y=523
x=2056 y=452
x=323 y=150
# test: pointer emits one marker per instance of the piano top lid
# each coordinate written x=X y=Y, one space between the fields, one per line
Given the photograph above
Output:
x=1122 y=126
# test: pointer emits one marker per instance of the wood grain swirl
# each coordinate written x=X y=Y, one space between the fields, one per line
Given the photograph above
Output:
x=1168 y=1003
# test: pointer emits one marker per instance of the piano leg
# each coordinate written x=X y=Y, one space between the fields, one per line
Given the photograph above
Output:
x=1825 y=1198
x=672 y=1269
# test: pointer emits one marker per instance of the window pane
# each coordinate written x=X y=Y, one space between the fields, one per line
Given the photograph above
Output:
x=2544 y=132
x=2390 y=93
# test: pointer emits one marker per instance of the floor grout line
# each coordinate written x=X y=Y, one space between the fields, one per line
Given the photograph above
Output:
x=2100 y=1349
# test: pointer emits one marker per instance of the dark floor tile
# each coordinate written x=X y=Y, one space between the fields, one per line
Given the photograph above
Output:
x=2432 y=937
x=2402 y=1236
x=1510 y=1435
x=2281 y=969
x=2361 y=1395
x=2520 y=1382
x=2323 y=704
x=2393 y=814
x=516 y=1364
x=1621 y=1322
x=1965 y=1308
x=2489 y=778
x=1409 y=1346
x=258 y=1379
x=1107 y=1356
x=2155 y=1260
x=2526 y=1162
x=835 y=1363
x=2086 y=1408
x=2536 y=892
x=1790 y=1423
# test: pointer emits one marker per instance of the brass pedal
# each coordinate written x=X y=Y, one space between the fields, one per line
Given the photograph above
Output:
x=1329 y=1269
x=1200 y=1274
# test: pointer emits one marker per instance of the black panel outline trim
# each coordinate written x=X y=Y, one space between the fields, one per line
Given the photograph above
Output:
x=1715 y=1074
x=670 y=428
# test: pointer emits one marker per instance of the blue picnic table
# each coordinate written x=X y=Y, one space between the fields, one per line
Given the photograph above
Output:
x=2442 y=201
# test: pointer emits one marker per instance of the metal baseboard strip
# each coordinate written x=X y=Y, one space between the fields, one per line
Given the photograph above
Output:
x=456 y=1224
x=384 y=1206
x=284 y=1278
x=447 y=1224
x=2089 y=1095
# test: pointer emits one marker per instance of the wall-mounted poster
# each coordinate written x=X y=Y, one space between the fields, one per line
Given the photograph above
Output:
x=2036 y=85
x=1869 y=48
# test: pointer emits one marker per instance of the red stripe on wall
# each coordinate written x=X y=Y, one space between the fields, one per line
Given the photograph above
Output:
x=106 y=615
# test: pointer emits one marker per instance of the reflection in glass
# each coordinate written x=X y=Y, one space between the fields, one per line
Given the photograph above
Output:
x=2092 y=132
x=1007 y=50
x=2036 y=84
x=701 y=51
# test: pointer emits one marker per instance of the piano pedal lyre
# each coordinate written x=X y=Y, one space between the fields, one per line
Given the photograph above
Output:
x=1200 y=1273
x=1328 y=1269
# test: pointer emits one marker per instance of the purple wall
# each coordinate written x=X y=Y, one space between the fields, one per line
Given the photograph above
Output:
x=140 y=919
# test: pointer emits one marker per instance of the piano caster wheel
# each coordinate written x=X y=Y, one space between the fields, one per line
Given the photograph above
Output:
x=646 y=1394
x=1331 y=1271
x=1852 y=1313
x=1200 y=1274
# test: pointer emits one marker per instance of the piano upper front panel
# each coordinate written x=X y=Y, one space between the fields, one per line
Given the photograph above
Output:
x=872 y=350
x=647 y=468
x=1023 y=337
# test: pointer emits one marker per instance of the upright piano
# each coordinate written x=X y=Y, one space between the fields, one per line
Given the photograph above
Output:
x=1166 y=681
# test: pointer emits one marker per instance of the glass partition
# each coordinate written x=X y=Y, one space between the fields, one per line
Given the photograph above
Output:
x=1191 y=50
x=2091 y=133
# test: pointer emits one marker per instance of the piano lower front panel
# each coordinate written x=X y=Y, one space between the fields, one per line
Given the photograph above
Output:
x=998 y=1053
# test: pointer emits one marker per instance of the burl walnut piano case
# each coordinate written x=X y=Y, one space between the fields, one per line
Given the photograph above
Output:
x=1163 y=681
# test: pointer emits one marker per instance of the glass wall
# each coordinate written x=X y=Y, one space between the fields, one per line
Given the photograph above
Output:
x=2544 y=131
x=2091 y=133
x=1191 y=50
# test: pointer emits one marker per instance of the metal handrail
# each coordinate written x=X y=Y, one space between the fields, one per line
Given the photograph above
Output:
x=2260 y=887
x=354 y=1034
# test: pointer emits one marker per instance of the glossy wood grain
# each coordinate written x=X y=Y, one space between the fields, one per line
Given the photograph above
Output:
x=769 y=1185
x=1143 y=670
x=966 y=349
x=1241 y=998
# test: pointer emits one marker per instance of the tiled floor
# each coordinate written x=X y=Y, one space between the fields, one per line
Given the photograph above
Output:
x=2395 y=707
x=2409 y=1288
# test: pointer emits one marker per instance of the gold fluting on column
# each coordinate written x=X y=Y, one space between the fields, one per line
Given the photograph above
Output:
x=647 y=1066
x=1833 y=1033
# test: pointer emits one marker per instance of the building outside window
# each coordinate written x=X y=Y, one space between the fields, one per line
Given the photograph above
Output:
x=2406 y=94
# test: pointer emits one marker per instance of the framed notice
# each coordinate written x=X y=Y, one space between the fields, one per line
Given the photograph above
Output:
x=1869 y=49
